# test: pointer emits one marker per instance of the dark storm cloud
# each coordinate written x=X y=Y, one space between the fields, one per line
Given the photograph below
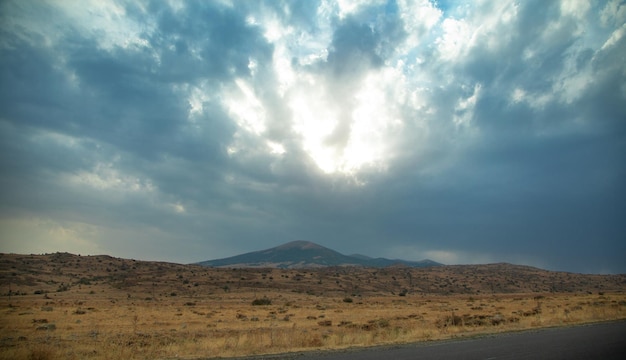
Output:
x=123 y=96
x=123 y=100
x=195 y=130
x=355 y=43
x=218 y=35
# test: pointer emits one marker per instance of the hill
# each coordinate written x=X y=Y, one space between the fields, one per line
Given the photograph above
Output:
x=305 y=254
x=62 y=272
x=65 y=306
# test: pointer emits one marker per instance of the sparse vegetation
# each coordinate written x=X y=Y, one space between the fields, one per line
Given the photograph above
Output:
x=130 y=312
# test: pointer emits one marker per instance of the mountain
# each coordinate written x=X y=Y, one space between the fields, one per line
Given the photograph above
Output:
x=305 y=254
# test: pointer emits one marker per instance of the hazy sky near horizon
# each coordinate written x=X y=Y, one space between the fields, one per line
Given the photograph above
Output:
x=459 y=131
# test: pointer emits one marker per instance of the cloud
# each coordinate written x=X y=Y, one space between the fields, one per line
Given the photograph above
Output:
x=465 y=132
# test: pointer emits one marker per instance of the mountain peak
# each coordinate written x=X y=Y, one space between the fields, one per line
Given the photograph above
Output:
x=306 y=254
x=300 y=245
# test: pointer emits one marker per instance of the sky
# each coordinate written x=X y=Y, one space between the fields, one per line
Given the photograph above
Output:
x=459 y=131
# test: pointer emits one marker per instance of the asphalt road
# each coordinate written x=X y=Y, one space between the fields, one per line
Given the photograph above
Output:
x=596 y=341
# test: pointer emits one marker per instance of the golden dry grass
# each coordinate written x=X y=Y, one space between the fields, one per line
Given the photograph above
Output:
x=52 y=312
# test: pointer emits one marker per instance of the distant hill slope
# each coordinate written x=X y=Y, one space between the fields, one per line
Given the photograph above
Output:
x=305 y=254
x=58 y=274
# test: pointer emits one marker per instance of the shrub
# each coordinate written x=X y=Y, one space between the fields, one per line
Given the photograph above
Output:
x=347 y=300
x=262 y=301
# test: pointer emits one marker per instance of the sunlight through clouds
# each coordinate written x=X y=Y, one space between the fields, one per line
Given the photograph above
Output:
x=375 y=121
x=246 y=108
x=314 y=121
x=457 y=37
x=276 y=148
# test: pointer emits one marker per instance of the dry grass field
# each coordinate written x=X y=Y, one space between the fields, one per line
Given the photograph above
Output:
x=63 y=306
